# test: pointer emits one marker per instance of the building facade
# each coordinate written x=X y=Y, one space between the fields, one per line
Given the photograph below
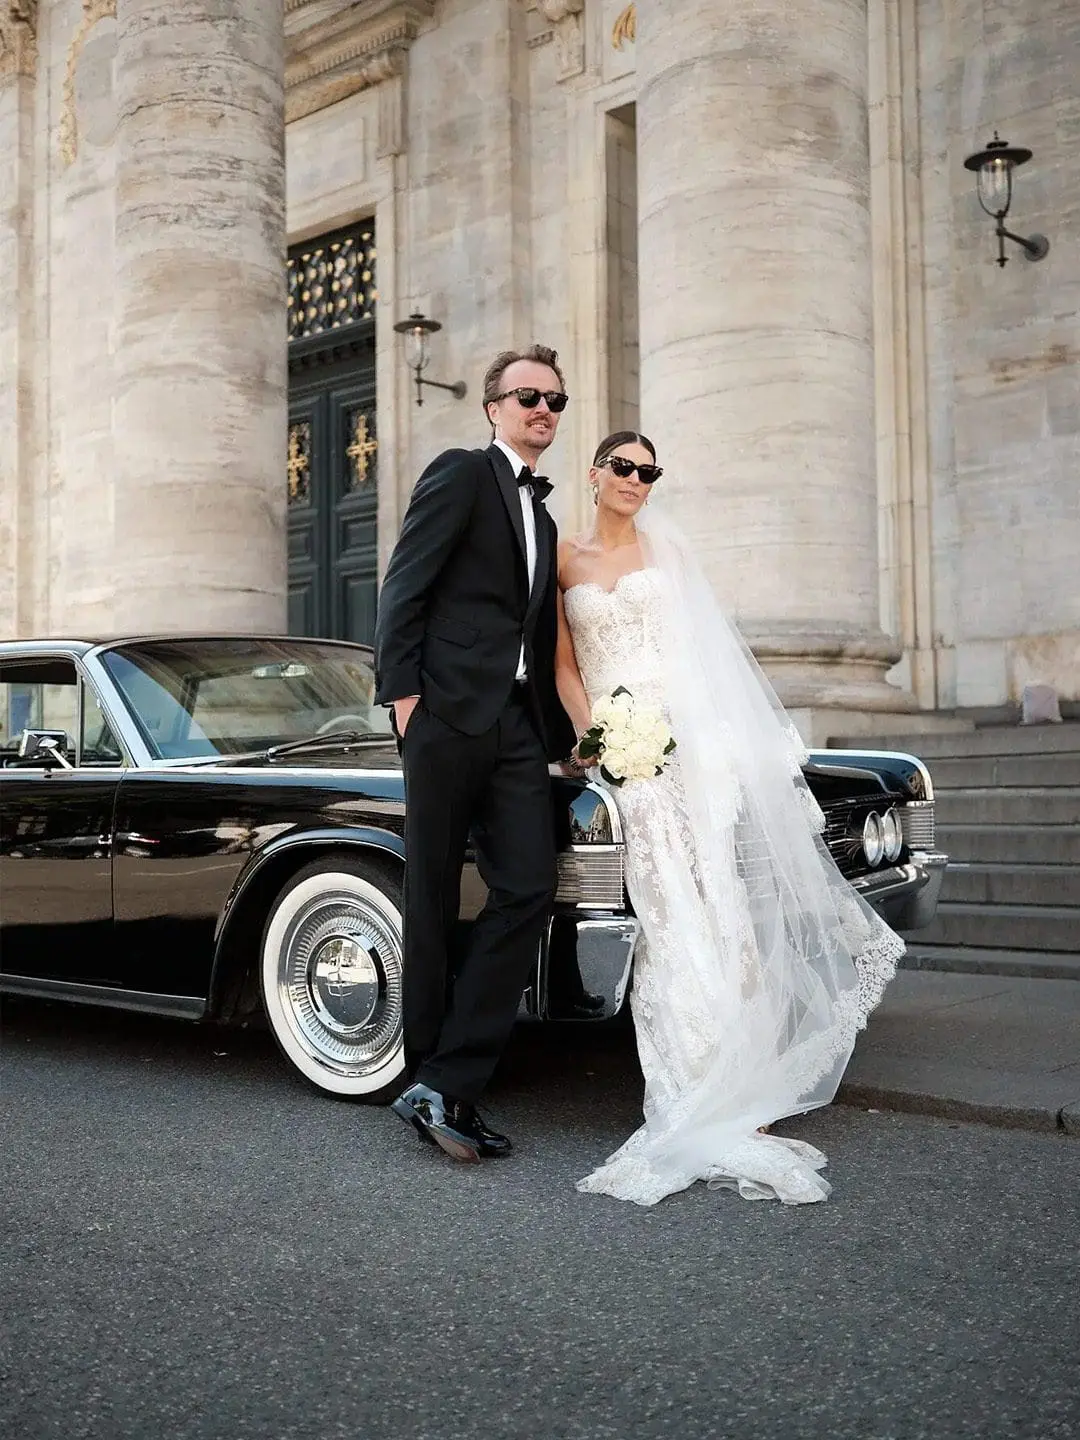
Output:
x=744 y=224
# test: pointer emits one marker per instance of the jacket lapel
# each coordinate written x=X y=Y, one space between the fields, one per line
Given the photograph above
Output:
x=508 y=489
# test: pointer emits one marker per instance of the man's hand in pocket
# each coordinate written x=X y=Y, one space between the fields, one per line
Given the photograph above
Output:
x=403 y=710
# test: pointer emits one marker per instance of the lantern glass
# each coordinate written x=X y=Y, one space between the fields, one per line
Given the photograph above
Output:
x=995 y=185
x=416 y=348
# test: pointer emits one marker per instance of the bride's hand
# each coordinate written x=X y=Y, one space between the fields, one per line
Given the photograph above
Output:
x=588 y=763
x=573 y=767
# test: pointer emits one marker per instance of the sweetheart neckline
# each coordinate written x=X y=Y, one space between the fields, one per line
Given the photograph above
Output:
x=595 y=584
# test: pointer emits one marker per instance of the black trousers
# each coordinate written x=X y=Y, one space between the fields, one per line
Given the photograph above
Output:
x=460 y=1007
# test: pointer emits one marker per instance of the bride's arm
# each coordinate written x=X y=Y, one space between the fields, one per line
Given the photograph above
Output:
x=567 y=675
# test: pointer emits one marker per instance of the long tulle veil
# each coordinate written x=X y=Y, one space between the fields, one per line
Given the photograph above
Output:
x=815 y=958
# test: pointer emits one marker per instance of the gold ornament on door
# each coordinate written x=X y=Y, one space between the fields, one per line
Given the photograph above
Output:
x=298 y=464
x=360 y=452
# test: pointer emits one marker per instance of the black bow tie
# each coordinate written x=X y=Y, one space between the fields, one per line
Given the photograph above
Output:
x=539 y=486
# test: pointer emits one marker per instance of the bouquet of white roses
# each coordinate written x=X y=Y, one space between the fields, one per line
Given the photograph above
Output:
x=629 y=738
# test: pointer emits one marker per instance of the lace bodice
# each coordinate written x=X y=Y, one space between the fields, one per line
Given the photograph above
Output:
x=619 y=635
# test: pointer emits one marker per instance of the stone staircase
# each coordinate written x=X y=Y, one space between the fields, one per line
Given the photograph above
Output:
x=1008 y=817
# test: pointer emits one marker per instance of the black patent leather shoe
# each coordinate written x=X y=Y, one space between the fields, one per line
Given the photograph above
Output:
x=588 y=1007
x=441 y=1120
x=491 y=1142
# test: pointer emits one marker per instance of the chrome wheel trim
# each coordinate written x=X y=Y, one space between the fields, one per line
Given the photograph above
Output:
x=331 y=972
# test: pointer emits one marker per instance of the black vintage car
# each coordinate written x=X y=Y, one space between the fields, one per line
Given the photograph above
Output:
x=212 y=828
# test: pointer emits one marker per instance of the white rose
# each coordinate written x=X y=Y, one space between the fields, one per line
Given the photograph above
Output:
x=602 y=711
x=616 y=737
x=636 y=762
x=648 y=765
x=615 y=763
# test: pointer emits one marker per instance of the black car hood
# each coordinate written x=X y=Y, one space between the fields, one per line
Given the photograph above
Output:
x=371 y=756
x=380 y=754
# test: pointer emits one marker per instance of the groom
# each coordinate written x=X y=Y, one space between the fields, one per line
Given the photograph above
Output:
x=465 y=653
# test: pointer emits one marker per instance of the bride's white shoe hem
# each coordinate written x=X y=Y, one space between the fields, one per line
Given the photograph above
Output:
x=761 y=1167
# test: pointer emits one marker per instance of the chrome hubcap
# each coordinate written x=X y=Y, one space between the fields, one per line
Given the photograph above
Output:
x=339 y=976
x=344 y=983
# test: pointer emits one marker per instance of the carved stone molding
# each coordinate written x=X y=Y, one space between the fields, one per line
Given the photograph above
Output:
x=93 y=11
x=334 y=49
x=18 y=37
x=565 y=16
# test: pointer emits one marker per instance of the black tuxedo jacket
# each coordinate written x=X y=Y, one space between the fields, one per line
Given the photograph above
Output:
x=455 y=605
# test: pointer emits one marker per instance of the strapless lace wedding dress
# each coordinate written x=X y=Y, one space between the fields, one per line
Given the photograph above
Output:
x=695 y=989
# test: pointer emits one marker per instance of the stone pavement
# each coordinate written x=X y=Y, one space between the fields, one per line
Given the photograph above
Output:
x=998 y=1049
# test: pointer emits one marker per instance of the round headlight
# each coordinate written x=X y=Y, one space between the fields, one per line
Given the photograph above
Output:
x=893 y=834
x=873 y=839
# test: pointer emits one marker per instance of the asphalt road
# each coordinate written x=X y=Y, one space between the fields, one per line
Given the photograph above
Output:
x=195 y=1245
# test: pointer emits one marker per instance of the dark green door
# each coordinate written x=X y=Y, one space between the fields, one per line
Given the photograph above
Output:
x=333 y=449
x=333 y=493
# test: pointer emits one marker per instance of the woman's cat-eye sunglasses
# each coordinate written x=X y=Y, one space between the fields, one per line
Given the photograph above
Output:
x=624 y=468
x=529 y=398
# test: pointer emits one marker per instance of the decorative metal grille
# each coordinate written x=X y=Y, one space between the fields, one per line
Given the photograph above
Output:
x=361 y=449
x=332 y=283
x=299 y=463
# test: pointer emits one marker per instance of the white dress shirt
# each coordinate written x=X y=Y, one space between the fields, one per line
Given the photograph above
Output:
x=528 y=519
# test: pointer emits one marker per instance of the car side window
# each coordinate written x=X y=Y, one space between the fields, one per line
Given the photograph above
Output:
x=98 y=745
x=44 y=695
x=37 y=695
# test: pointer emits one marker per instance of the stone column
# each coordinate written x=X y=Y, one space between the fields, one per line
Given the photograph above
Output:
x=200 y=397
x=18 y=64
x=756 y=314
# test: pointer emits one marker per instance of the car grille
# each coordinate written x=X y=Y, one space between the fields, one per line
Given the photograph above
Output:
x=591 y=877
x=917 y=819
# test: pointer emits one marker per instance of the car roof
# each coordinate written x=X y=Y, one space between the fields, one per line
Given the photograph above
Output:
x=82 y=645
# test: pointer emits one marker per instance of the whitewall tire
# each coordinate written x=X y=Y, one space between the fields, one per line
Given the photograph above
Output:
x=330 y=972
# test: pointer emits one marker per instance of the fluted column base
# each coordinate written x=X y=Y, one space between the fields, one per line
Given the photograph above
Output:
x=828 y=666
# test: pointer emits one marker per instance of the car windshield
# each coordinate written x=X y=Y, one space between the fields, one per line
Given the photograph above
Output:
x=196 y=698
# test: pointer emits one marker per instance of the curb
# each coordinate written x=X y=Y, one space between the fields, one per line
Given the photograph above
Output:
x=1065 y=1120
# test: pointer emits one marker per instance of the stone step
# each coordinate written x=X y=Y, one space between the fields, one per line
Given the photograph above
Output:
x=1011 y=844
x=995 y=740
x=971 y=771
x=1053 y=885
x=1004 y=927
x=1016 y=805
x=1020 y=964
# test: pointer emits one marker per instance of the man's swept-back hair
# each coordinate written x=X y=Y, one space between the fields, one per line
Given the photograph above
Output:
x=541 y=354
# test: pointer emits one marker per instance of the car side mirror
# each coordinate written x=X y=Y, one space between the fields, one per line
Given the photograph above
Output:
x=45 y=747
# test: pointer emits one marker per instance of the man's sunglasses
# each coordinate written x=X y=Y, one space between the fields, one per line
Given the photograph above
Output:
x=624 y=468
x=528 y=398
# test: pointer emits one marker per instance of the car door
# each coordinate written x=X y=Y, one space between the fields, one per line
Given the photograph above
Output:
x=56 y=913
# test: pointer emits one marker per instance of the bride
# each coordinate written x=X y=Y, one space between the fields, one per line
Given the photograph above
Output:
x=757 y=963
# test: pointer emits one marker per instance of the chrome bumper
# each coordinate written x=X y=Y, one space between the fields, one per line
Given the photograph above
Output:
x=906 y=896
x=584 y=969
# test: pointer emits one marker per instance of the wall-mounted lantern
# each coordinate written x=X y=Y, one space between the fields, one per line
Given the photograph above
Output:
x=994 y=167
x=416 y=329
